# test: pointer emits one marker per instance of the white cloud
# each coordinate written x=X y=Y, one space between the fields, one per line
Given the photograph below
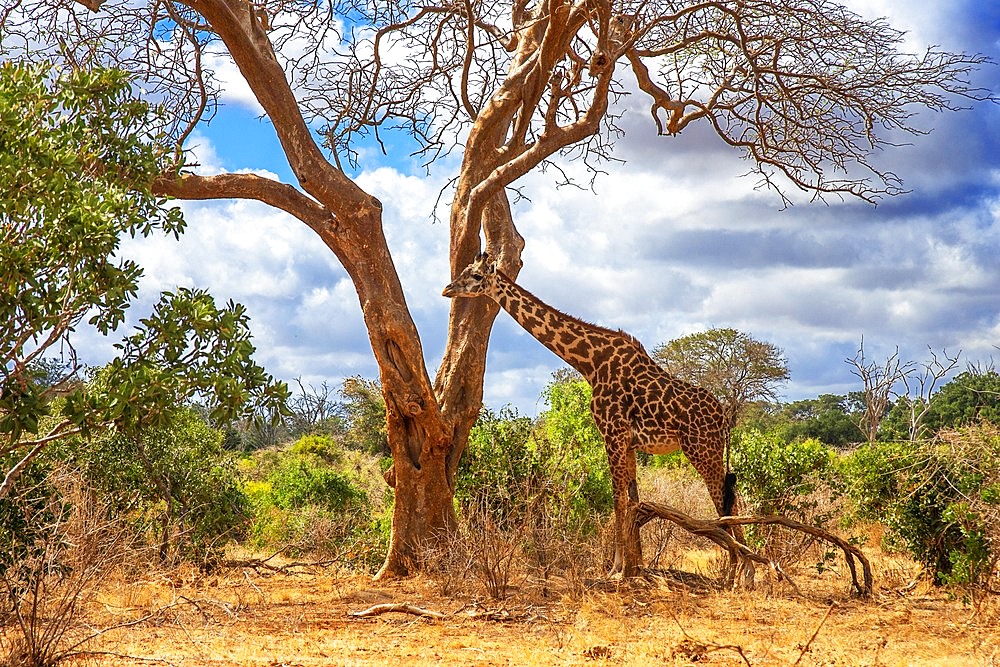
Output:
x=673 y=242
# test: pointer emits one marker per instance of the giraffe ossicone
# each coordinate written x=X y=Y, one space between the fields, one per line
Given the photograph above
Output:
x=637 y=406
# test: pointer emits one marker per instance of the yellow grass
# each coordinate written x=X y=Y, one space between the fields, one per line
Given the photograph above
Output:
x=257 y=619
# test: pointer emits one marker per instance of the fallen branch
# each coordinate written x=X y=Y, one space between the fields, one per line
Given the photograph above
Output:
x=741 y=555
x=397 y=607
x=258 y=564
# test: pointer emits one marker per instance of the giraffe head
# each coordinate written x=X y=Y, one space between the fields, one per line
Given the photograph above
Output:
x=477 y=278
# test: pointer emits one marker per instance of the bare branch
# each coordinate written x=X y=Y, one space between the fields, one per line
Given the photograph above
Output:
x=247 y=186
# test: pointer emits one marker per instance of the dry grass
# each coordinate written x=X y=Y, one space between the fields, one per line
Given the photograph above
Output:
x=248 y=618
x=570 y=615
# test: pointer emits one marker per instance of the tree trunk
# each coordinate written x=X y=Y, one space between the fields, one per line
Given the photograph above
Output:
x=427 y=425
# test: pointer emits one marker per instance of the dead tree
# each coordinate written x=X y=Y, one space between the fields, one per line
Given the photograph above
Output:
x=741 y=557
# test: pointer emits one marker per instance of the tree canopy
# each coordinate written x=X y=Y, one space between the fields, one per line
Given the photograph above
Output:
x=733 y=365
x=76 y=167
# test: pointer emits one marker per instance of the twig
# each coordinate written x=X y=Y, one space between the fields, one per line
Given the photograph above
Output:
x=262 y=563
x=122 y=656
x=397 y=607
x=710 y=646
x=814 y=634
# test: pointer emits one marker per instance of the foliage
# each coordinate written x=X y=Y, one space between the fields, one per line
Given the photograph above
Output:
x=500 y=468
x=175 y=477
x=776 y=476
x=833 y=420
x=75 y=172
x=513 y=468
x=731 y=364
x=310 y=497
x=967 y=399
x=77 y=166
x=364 y=412
x=321 y=446
x=940 y=499
x=571 y=451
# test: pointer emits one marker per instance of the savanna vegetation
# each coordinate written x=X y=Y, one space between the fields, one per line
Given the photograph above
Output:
x=180 y=467
x=305 y=499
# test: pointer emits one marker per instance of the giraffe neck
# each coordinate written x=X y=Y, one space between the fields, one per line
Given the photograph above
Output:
x=572 y=340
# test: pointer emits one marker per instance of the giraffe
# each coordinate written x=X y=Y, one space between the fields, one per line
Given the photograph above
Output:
x=637 y=405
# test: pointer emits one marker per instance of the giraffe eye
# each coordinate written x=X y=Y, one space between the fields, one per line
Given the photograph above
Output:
x=477 y=276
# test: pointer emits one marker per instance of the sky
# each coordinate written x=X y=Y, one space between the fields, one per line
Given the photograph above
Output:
x=672 y=242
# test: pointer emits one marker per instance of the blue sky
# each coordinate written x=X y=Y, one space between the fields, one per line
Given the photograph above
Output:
x=673 y=242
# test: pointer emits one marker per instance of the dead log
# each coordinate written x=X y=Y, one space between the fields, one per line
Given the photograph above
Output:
x=741 y=556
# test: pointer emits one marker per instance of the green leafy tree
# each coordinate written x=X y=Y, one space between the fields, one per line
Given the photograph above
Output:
x=831 y=419
x=175 y=477
x=734 y=366
x=971 y=397
x=76 y=168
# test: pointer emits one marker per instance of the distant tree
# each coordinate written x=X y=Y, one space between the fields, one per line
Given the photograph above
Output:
x=363 y=410
x=831 y=419
x=76 y=175
x=970 y=398
x=879 y=379
x=731 y=364
x=920 y=384
x=313 y=410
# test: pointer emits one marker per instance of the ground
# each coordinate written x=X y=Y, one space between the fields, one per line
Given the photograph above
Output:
x=257 y=618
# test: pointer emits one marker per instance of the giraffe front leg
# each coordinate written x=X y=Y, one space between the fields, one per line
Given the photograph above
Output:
x=628 y=546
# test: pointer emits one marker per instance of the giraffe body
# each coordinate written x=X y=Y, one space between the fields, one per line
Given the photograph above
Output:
x=637 y=405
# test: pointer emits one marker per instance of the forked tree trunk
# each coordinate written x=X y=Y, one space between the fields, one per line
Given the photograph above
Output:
x=427 y=425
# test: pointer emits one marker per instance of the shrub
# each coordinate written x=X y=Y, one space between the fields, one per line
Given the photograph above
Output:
x=499 y=466
x=571 y=452
x=303 y=503
x=57 y=567
x=940 y=499
x=317 y=445
x=300 y=480
x=175 y=481
x=785 y=478
x=779 y=477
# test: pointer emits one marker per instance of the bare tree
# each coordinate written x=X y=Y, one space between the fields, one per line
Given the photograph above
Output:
x=878 y=379
x=805 y=89
x=919 y=388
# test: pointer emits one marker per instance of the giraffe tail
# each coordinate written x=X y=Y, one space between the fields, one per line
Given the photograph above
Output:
x=729 y=494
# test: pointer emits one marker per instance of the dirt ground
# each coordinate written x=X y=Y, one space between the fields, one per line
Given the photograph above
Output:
x=306 y=618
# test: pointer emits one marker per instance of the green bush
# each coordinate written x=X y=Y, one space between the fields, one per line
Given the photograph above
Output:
x=322 y=446
x=572 y=455
x=779 y=477
x=300 y=480
x=314 y=498
x=174 y=482
x=939 y=499
x=556 y=466
x=500 y=467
